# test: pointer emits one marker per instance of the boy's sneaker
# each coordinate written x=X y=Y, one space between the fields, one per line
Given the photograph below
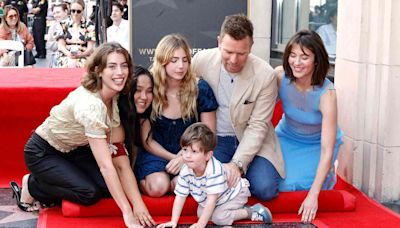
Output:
x=261 y=213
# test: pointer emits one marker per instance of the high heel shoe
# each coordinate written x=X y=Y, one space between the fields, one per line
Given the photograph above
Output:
x=28 y=207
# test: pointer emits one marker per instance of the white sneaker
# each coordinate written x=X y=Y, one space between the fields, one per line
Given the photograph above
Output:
x=261 y=213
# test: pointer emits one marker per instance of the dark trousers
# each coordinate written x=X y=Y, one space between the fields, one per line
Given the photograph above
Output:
x=74 y=176
x=39 y=30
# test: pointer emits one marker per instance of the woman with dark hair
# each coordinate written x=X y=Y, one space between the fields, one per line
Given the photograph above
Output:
x=77 y=153
x=135 y=106
x=308 y=131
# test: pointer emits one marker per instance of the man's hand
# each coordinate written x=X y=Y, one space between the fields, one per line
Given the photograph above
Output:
x=233 y=174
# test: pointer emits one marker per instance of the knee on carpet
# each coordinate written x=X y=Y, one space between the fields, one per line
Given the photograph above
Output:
x=221 y=219
x=89 y=197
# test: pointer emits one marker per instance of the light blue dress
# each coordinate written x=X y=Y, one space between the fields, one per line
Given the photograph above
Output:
x=299 y=133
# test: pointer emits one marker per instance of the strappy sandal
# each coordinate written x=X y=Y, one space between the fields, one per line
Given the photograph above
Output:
x=28 y=207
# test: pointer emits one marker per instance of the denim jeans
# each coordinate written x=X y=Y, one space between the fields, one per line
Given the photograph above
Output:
x=263 y=177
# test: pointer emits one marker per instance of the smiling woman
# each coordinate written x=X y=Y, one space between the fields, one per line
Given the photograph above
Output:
x=78 y=38
x=308 y=132
x=12 y=28
x=82 y=136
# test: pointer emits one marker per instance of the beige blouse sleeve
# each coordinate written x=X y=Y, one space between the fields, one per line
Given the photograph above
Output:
x=92 y=114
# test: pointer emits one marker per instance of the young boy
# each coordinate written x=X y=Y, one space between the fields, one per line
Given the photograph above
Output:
x=204 y=178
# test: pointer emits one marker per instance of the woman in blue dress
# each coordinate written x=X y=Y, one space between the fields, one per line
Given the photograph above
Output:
x=308 y=131
x=179 y=100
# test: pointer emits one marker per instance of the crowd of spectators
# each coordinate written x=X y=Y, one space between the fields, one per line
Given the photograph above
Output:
x=61 y=31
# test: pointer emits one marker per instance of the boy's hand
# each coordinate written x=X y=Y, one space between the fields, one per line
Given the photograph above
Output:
x=197 y=225
x=168 y=224
x=175 y=165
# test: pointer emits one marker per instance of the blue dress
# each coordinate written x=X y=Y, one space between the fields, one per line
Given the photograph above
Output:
x=167 y=132
x=299 y=134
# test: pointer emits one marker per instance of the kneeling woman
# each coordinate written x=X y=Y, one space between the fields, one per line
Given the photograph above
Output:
x=308 y=132
x=70 y=155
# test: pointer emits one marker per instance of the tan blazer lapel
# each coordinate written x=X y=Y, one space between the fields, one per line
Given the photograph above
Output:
x=213 y=77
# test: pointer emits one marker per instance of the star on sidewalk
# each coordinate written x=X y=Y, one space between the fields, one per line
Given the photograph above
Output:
x=11 y=213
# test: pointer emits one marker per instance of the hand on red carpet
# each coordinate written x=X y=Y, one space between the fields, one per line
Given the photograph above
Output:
x=168 y=224
x=197 y=225
x=143 y=216
x=309 y=208
x=130 y=221
x=233 y=174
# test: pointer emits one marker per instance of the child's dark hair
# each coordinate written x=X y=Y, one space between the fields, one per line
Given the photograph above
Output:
x=199 y=132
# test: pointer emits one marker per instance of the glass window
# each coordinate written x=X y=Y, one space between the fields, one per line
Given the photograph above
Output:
x=289 y=16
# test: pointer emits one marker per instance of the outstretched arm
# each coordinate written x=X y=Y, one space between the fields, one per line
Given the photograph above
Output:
x=176 y=212
x=130 y=187
x=102 y=155
x=207 y=212
x=328 y=107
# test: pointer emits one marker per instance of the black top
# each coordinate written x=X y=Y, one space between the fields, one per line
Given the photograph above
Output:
x=43 y=5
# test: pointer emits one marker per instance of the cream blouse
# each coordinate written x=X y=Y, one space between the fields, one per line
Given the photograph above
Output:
x=79 y=116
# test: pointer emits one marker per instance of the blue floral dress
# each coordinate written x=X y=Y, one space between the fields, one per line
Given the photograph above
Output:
x=299 y=134
x=167 y=132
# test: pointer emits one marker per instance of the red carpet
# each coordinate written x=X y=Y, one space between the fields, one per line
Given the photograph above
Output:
x=367 y=213
x=26 y=97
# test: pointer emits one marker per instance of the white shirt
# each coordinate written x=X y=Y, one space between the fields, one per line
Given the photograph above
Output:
x=328 y=35
x=213 y=181
x=119 y=34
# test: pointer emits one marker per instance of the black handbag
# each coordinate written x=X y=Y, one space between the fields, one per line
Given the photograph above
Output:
x=29 y=59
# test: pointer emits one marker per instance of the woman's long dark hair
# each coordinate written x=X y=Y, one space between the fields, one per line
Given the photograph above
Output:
x=130 y=120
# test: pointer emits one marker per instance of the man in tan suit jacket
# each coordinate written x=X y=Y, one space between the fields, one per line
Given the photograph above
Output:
x=246 y=91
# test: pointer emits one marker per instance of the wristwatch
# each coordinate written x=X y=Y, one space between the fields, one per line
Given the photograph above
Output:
x=238 y=164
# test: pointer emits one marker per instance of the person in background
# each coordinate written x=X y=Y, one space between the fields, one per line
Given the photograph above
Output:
x=60 y=14
x=1 y=10
x=21 y=6
x=308 y=131
x=77 y=153
x=246 y=91
x=119 y=30
x=39 y=10
x=12 y=28
x=124 y=3
x=328 y=33
x=78 y=39
x=179 y=100
x=203 y=177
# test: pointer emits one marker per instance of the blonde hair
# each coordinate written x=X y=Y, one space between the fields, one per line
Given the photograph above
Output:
x=188 y=92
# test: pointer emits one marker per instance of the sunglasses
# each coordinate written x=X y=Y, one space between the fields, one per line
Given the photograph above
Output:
x=76 y=11
x=12 y=16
